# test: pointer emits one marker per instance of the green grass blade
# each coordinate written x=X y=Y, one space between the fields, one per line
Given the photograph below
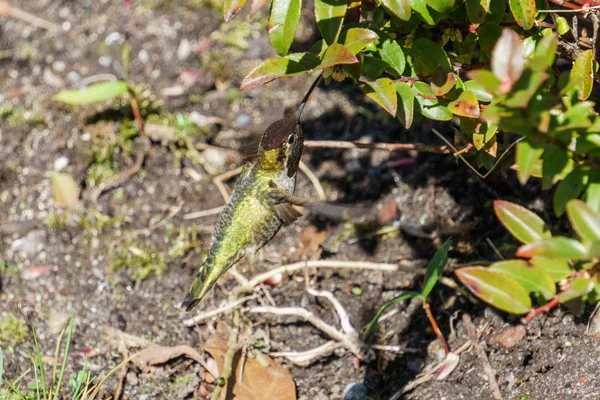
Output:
x=435 y=268
x=402 y=297
x=66 y=354
x=40 y=364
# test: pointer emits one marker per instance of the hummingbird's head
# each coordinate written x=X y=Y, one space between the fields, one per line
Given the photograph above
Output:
x=281 y=145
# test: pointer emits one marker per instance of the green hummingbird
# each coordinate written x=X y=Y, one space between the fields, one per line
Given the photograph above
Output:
x=256 y=209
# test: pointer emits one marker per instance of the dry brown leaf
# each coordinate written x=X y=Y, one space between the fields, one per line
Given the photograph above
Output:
x=154 y=355
x=387 y=212
x=258 y=383
x=309 y=242
x=65 y=189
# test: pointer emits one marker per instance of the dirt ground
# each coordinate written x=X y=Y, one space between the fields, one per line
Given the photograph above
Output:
x=110 y=273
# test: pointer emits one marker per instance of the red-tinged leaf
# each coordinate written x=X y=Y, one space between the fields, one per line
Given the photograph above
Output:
x=486 y=79
x=231 y=7
x=442 y=82
x=406 y=108
x=278 y=67
x=524 y=12
x=527 y=158
x=533 y=279
x=584 y=220
x=557 y=268
x=398 y=8
x=582 y=75
x=577 y=288
x=258 y=5
x=556 y=247
x=337 y=54
x=66 y=190
x=465 y=106
x=523 y=224
x=447 y=366
x=496 y=289
x=355 y=39
x=283 y=22
x=383 y=92
x=507 y=59
x=428 y=104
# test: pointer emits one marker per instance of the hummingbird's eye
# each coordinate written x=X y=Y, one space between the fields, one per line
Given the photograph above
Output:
x=291 y=139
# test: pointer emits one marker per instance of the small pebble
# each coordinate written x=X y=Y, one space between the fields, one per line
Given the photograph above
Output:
x=243 y=120
x=144 y=56
x=61 y=163
x=105 y=61
x=73 y=77
x=184 y=50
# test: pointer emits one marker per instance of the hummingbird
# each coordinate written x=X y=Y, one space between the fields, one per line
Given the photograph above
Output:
x=257 y=207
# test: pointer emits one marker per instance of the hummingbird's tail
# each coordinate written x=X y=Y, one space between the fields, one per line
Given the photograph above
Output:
x=200 y=286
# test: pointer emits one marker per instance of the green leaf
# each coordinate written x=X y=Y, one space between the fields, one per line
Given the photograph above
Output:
x=544 y=54
x=337 y=54
x=330 y=15
x=392 y=53
x=592 y=196
x=93 y=94
x=496 y=289
x=402 y=297
x=283 y=22
x=231 y=7
x=383 y=92
x=441 y=6
x=429 y=16
x=523 y=224
x=497 y=11
x=435 y=268
x=485 y=136
x=569 y=188
x=373 y=67
x=582 y=75
x=562 y=26
x=355 y=39
x=556 y=247
x=489 y=33
x=584 y=220
x=407 y=104
x=486 y=79
x=480 y=92
x=274 y=68
x=477 y=10
x=429 y=105
x=557 y=268
x=527 y=156
x=578 y=287
x=398 y=8
x=525 y=88
x=465 y=106
x=557 y=163
x=524 y=12
x=533 y=279
x=427 y=56
x=65 y=189
x=442 y=82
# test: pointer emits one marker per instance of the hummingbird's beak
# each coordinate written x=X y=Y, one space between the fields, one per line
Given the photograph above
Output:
x=189 y=302
x=305 y=99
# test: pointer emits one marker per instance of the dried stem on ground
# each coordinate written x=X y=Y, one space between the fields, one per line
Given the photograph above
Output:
x=436 y=328
x=232 y=348
x=487 y=368
x=337 y=144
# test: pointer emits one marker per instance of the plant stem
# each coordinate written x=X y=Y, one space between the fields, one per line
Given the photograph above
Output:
x=233 y=347
x=436 y=328
x=546 y=307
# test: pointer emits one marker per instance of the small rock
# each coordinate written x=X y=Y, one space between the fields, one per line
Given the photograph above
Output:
x=243 y=120
x=356 y=391
x=509 y=337
x=114 y=37
x=105 y=61
x=173 y=91
x=51 y=79
x=61 y=163
x=144 y=56
x=217 y=159
x=28 y=244
x=202 y=121
x=132 y=379
x=73 y=77
x=184 y=50
x=58 y=66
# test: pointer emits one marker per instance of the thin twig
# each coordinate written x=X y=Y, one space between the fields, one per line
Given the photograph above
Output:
x=120 y=178
x=30 y=18
x=436 y=328
x=232 y=348
x=314 y=180
x=584 y=10
x=209 y=314
x=339 y=309
x=338 y=144
x=487 y=368
x=220 y=179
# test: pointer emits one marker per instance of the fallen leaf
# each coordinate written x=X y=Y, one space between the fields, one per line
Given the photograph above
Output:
x=66 y=190
x=309 y=242
x=509 y=337
x=36 y=271
x=447 y=366
x=258 y=383
x=386 y=212
x=155 y=354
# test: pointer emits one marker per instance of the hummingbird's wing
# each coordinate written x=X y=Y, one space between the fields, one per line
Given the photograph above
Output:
x=283 y=209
